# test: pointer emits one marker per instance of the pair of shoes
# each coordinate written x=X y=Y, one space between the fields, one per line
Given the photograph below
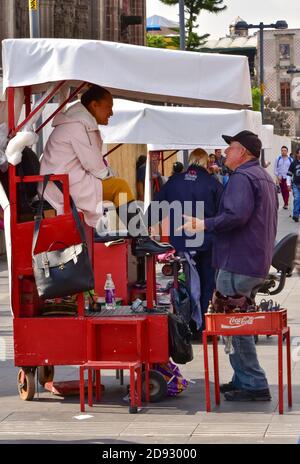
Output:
x=248 y=395
x=285 y=207
x=227 y=387
x=296 y=219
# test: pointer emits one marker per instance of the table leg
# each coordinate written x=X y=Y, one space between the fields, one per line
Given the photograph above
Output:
x=139 y=386
x=206 y=372
x=81 y=388
x=132 y=388
x=289 y=369
x=90 y=387
x=216 y=368
x=147 y=380
x=280 y=376
x=98 y=385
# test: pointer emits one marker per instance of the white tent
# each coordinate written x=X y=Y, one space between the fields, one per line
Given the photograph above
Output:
x=131 y=71
x=177 y=127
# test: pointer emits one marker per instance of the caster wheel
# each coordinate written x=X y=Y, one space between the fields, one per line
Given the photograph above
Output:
x=157 y=385
x=26 y=385
x=45 y=374
x=167 y=270
x=133 y=409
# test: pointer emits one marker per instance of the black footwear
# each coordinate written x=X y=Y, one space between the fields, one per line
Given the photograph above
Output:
x=296 y=219
x=227 y=387
x=285 y=207
x=145 y=245
x=248 y=395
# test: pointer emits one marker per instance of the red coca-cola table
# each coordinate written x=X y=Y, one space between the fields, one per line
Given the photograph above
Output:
x=254 y=323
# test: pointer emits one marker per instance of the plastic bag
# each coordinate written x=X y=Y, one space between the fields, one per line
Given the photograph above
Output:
x=181 y=302
x=180 y=335
x=175 y=380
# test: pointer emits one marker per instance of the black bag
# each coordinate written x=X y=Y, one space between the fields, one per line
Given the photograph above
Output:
x=181 y=301
x=62 y=272
x=180 y=346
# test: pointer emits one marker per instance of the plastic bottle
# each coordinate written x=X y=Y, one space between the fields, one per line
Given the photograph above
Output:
x=109 y=288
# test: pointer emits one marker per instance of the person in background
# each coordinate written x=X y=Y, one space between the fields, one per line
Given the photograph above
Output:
x=140 y=177
x=293 y=183
x=213 y=168
x=282 y=165
x=224 y=171
x=195 y=185
x=178 y=168
x=245 y=231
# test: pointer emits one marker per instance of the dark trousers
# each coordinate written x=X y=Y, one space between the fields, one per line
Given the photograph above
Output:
x=207 y=276
x=285 y=191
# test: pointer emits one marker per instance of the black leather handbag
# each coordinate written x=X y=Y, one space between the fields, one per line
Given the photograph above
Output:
x=61 y=272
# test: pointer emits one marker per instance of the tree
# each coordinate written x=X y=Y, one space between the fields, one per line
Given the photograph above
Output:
x=156 y=41
x=256 y=98
x=193 y=9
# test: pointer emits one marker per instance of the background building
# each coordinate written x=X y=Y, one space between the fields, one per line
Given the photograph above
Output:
x=79 y=19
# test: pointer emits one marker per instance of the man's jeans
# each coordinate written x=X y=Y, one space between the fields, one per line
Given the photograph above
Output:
x=296 y=206
x=248 y=374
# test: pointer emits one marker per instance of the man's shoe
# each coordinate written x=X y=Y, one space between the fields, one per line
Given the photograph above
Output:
x=227 y=387
x=248 y=395
x=296 y=219
x=145 y=245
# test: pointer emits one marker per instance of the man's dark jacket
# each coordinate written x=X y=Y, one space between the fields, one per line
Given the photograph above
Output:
x=196 y=184
x=245 y=226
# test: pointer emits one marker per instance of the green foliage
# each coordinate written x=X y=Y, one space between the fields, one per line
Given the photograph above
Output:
x=193 y=9
x=256 y=98
x=155 y=41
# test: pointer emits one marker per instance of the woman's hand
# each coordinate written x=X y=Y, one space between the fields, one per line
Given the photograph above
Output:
x=192 y=224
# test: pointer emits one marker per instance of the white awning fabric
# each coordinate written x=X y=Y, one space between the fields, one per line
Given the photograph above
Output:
x=173 y=127
x=130 y=71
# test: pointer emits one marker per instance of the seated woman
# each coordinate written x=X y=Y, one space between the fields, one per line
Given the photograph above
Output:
x=75 y=148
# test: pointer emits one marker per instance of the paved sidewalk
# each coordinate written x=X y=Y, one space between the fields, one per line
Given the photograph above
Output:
x=181 y=420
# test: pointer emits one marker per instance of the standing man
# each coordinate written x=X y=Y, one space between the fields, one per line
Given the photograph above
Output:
x=220 y=162
x=293 y=183
x=282 y=165
x=245 y=231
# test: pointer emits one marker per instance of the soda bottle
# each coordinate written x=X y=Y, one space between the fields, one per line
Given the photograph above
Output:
x=109 y=288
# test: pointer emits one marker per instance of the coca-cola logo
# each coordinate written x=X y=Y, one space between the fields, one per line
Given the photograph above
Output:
x=236 y=322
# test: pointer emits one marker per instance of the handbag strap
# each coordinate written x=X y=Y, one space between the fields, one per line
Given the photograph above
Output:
x=39 y=216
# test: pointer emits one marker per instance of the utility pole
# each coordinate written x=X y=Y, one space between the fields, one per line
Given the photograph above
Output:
x=182 y=47
x=34 y=28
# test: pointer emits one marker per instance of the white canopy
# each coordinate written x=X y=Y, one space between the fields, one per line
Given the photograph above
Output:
x=130 y=71
x=176 y=127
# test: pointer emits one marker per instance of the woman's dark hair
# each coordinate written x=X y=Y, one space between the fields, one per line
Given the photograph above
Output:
x=178 y=167
x=140 y=161
x=94 y=93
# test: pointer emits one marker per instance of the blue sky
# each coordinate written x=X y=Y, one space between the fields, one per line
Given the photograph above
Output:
x=253 y=11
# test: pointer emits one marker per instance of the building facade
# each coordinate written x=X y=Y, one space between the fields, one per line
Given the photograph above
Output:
x=281 y=56
x=113 y=20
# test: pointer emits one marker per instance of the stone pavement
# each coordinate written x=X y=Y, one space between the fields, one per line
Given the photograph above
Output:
x=181 y=420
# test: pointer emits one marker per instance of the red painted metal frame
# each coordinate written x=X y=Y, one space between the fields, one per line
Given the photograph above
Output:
x=32 y=113
x=73 y=94
x=279 y=331
x=42 y=341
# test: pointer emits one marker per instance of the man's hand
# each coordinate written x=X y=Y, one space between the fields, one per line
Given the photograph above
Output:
x=289 y=188
x=192 y=224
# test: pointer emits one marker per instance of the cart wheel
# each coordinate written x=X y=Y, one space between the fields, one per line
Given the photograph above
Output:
x=167 y=270
x=157 y=384
x=45 y=374
x=26 y=389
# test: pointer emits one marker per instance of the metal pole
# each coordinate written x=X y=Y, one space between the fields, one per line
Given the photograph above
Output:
x=182 y=47
x=34 y=19
x=261 y=79
x=182 y=24
x=34 y=27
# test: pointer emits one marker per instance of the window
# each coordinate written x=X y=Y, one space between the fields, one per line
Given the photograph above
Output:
x=285 y=94
x=284 y=51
